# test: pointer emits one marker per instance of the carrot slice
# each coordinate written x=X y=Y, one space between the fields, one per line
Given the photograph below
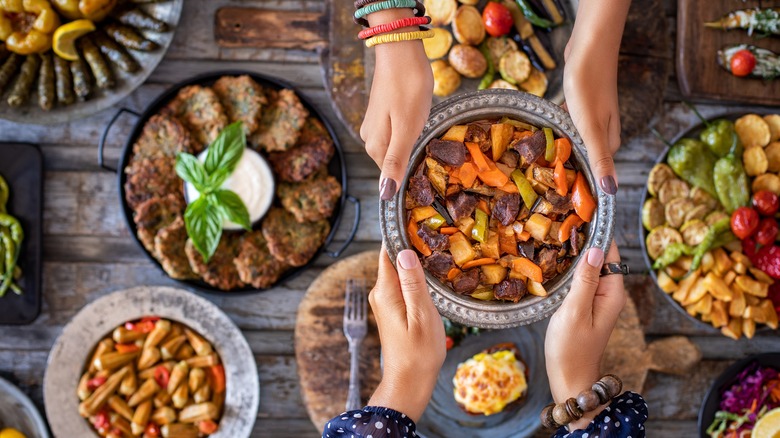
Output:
x=559 y=176
x=493 y=177
x=524 y=236
x=572 y=221
x=562 y=149
x=528 y=268
x=480 y=160
x=416 y=240
x=468 y=174
x=217 y=376
x=448 y=230
x=478 y=262
x=509 y=187
x=583 y=201
x=483 y=205
x=454 y=272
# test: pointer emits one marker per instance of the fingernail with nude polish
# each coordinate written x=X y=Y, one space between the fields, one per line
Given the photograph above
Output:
x=595 y=257
x=408 y=259
x=608 y=185
x=387 y=189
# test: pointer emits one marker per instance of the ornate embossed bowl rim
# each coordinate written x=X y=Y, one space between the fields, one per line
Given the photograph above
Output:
x=489 y=104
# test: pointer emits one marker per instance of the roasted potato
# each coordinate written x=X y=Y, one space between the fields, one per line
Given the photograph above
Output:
x=536 y=83
x=767 y=181
x=773 y=120
x=441 y=11
x=497 y=46
x=445 y=79
x=515 y=67
x=502 y=84
x=438 y=46
x=470 y=2
x=772 y=152
x=467 y=60
x=755 y=161
x=467 y=25
x=752 y=131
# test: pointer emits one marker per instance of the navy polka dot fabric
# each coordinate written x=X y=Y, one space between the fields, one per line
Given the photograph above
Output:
x=624 y=418
x=370 y=422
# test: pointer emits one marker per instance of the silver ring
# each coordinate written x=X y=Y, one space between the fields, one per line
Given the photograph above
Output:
x=614 y=268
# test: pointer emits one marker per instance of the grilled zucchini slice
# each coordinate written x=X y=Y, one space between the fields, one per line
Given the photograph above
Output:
x=659 y=239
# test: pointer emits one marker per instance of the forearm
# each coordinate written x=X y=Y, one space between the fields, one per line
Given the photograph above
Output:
x=408 y=396
x=600 y=23
x=401 y=48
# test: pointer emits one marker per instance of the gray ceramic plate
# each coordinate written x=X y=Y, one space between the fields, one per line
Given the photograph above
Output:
x=167 y=11
x=443 y=418
x=96 y=320
x=491 y=104
x=17 y=411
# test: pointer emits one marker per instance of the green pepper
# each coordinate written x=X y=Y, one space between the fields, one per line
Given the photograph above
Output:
x=479 y=232
x=731 y=183
x=719 y=137
x=724 y=239
x=524 y=187
x=549 y=152
x=435 y=222
x=709 y=240
x=533 y=17
x=692 y=161
x=4 y=192
x=670 y=255
x=490 y=73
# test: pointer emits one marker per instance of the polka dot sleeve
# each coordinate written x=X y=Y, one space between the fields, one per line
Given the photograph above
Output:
x=624 y=418
x=370 y=422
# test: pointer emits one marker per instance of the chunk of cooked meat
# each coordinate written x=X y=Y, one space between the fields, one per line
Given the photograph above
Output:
x=547 y=259
x=200 y=110
x=169 y=249
x=448 y=152
x=531 y=147
x=155 y=214
x=526 y=249
x=420 y=191
x=510 y=290
x=563 y=265
x=507 y=207
x=312 y=200
x=255 y=264
x=476 y=134
x=150 y=178
x=576 y=240
x=292 y=242
x=313 y=151
x=163 y=136
x=560 y=204
x=281 y=123
x=466 y=281
x=510 y=158
x=243 y=99
x=461 y=205
x=434 y=240
x=439 y=264
x=220 y=271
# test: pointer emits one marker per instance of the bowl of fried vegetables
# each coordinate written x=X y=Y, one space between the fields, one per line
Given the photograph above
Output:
x=499 y=203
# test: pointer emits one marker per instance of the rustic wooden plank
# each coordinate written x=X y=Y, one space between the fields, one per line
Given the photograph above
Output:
x=679 y=397
x=285 y=427
x=263 y=28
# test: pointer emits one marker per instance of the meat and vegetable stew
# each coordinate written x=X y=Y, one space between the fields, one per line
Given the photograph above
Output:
x=496 y=209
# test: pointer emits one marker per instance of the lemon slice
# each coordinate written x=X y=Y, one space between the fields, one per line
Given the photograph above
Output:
x=66 y=35
x=768 y=426
x=10 y=432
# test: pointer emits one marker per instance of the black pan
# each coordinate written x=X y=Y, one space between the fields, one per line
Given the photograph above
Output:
x=336 y=167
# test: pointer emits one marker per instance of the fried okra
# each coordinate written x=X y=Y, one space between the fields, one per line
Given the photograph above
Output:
x=200 y=110
x=292 y=242
x=281 y=123
x=169 y=246
x=312 y=200
x=243 y=99
x=155 y=214
x=220 y=271
x=255 y=264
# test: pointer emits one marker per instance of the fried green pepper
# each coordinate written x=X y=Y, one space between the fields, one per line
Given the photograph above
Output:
x=20 y=91
x=670 y=255
x=490 y=73
x=102 y=73
x=137 y=18
x=116 y=53
x=82 y=81
x=719 y=137
x=692 y=161
x=129 y=37
x=707 y=243
x=12 y=235
x=731 y=183
x=47 y=93
x=64 y=81
x=8 y=69
x=4 y=194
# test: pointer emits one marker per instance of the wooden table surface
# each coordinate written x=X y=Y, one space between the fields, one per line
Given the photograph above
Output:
x=89 y=253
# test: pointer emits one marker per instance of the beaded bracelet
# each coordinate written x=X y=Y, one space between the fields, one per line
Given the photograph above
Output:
x=396 y=37
x=419 y=10
x=554 y=416
x=381 y=6
x=394 y=25
x=361 y=3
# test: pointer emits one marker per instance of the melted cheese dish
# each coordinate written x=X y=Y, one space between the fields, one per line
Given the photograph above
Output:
x=486 y=383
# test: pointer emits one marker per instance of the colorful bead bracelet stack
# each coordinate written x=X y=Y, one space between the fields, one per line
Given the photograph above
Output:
x=383 y=33
x=554 y=416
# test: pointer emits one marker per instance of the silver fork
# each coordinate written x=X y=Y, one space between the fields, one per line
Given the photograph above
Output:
x=355 y=328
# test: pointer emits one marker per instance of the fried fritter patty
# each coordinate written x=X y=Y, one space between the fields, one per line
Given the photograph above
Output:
x=155 y=214
x=163 y=136
x=255 y=264
x=243 y=99
x=313 y=150
x=200 y=110
x=281 y=122
x=151 y=177
x=169 y=249
x=292 y=242
x=311 y=200
x=220 y=271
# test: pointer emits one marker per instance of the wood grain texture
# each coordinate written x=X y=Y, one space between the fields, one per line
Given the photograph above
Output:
x=263 y=28
x=698 y=72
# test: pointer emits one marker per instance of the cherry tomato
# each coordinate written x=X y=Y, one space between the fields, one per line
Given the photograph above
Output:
x=497 y=19
x=742 y=63
x=766 y=231
x=744 y=221
x=93 y=384
x=162 y=376
x=766 y=202
x=152 y=430
x=450 y=342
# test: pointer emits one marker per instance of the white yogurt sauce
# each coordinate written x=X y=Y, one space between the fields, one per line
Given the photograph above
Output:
x=252 y=181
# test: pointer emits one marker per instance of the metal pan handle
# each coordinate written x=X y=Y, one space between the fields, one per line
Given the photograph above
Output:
x=102 y=144
x=351 y=237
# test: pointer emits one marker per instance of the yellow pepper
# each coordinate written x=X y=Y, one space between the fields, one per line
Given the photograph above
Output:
x=27 y=26
x=94 y=10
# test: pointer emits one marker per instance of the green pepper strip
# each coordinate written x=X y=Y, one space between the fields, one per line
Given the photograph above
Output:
x=670 y=255
x=479 y=232
x=518 y=124
x=524 y=187
x=531 y=16
x=709 y=239
x=490 y=73
x=549 y=152
x=435 y=222
x=4 y=193
x=9 y=259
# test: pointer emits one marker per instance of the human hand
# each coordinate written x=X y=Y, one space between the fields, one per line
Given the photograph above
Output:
x=580 y=329
x=399 y=104
x=411 y=333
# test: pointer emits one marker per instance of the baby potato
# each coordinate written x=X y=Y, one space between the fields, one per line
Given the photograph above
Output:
x=752 y=130
x=441 y=12
x=438 y=46
x=445 y=79
x=755 y=161
x=772 y=152
x=767 y=181
x=467 y=61
x=467 y=25
x=773 y=120
x=502 y=84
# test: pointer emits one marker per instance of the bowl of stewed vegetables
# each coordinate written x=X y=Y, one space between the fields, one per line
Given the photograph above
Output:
x=499 y=203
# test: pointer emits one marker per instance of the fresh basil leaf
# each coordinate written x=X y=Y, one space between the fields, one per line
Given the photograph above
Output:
x=233 y=208
x=204 y=226
x=227 y=149
x=190 y=169
x=218 y=178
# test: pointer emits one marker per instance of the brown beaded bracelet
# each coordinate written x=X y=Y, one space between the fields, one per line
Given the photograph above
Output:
x=419 y=11
x=554 y=416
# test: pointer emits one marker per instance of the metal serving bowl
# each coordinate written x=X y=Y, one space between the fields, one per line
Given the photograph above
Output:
x=19 y=412
x=491 y=104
